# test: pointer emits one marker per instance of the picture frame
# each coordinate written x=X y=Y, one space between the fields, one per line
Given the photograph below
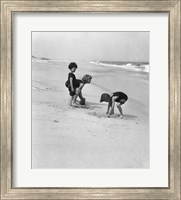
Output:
x=6 y=174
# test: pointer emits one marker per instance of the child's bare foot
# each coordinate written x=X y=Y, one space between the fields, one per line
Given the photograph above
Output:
x=112 y=113
x=121 y=116
x=74 y=105
x=71 y=107
x=75 y=102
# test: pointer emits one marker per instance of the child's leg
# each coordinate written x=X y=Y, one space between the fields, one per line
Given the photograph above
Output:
x=71 y=97
x=74 y=101
x=120 y=109
x=112 y=111
x=80 y=95
x=70 y=101
x=75 y=97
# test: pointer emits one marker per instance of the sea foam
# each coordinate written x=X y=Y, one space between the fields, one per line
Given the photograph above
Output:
x=140 y=67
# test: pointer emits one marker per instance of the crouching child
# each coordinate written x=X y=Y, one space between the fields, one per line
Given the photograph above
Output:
x=118 y=98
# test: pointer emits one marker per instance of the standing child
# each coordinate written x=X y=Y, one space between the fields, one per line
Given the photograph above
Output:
x=71 y=83
x=118 y=97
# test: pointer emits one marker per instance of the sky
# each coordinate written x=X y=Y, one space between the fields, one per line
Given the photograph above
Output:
x=91 y=46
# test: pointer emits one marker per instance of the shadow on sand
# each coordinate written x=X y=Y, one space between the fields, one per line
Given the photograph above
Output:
x=94 y=105
x=130 y=117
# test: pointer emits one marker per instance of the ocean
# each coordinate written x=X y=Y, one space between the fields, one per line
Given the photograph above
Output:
x=133 y=66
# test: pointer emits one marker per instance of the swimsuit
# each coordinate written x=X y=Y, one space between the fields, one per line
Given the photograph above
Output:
x=76 y=83
x=121 y=97
x=67 y=83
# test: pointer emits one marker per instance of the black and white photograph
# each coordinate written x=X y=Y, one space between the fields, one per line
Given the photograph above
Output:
x=90 y=100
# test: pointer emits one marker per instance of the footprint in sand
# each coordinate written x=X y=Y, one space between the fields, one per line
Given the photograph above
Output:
x=114 y=116
x=77 y=106
x=84 y=106
x=103 y=115
x=97 y=115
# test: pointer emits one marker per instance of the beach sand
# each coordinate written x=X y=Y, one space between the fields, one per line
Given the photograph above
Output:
x=64 y=137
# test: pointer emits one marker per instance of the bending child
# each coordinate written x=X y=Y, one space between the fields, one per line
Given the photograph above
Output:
x=118 y=97
x=79 y=86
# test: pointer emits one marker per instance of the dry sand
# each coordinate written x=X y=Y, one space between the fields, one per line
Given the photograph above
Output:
x=84 y=137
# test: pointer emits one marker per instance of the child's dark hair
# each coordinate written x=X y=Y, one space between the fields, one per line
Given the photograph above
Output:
x=105 y=97
x=72 y=65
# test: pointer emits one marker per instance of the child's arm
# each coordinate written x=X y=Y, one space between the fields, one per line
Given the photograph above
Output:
x=71 y=84
x=78 y=91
